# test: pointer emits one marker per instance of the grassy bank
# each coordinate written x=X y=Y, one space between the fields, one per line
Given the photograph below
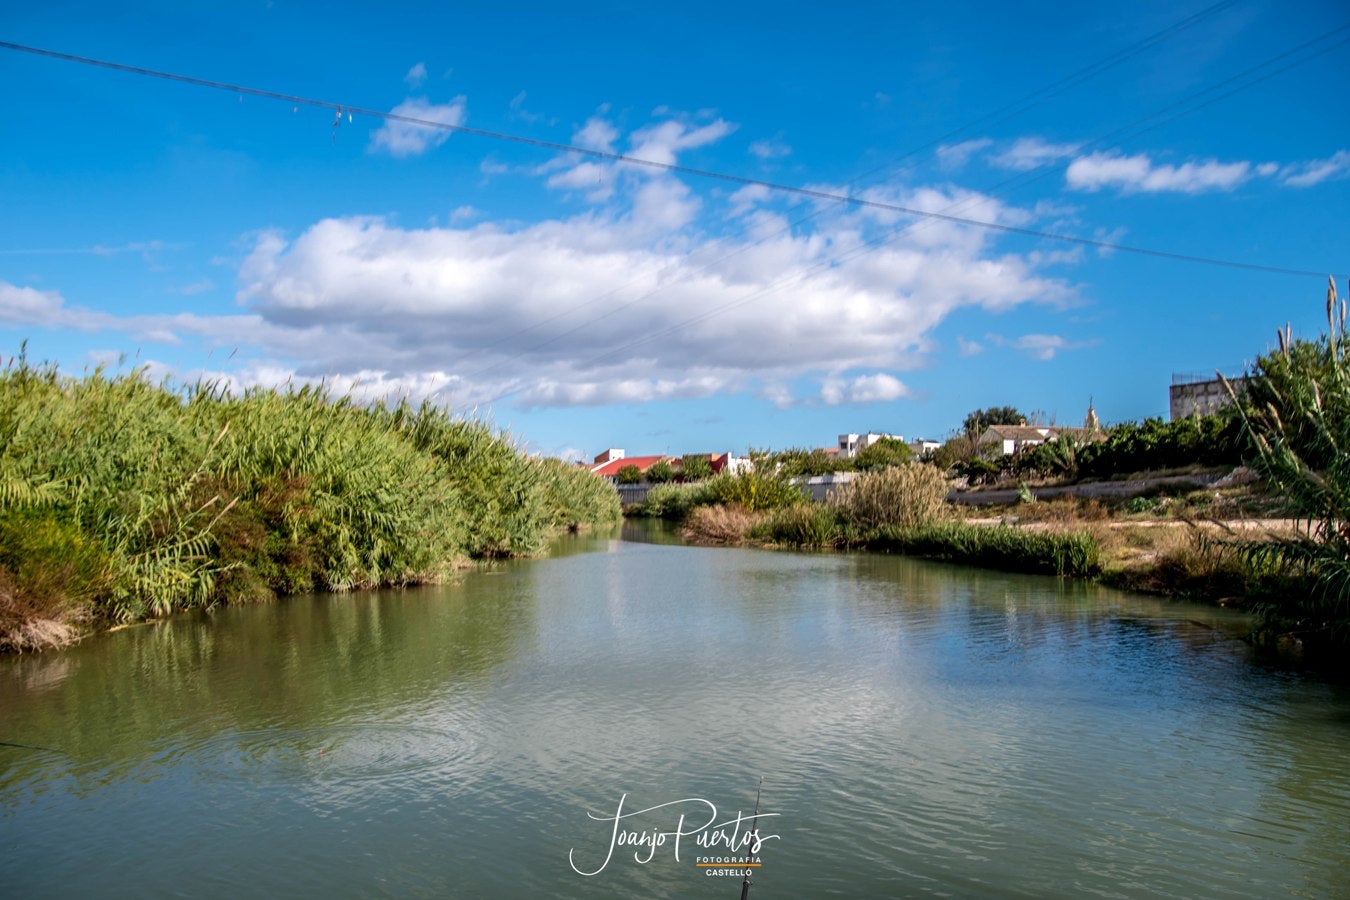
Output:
x=897 y=510
x=120 y=499
x=1191 y=544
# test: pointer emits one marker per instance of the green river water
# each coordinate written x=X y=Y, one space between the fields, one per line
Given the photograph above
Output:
x=920 y=729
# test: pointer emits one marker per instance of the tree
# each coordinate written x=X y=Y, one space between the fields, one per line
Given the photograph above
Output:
x=797 y=462
x=978 y=420
x=660 y=472
x=954 y=451
x=629 y=474
x=695 y=467
x=883 y=454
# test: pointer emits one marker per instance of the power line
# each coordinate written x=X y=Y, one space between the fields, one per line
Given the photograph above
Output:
x=1024 y=178
x=1002 y=114
x=744 y=181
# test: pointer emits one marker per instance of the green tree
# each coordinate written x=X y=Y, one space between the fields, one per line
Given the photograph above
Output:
x=797 y=462
x=883 y=454
x=978 y=420
x=695 y=467
x=629 y=474
x=660 y=472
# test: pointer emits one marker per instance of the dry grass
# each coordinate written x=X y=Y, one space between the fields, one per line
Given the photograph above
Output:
x=908 y=496
x=718 y=524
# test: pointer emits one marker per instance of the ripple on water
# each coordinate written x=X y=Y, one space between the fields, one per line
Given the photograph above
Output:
x=339 y=754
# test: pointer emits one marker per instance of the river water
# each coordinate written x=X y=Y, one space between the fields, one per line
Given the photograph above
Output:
x=920 y=729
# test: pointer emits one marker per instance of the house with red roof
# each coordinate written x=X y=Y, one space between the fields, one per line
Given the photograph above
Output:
x=608 y=464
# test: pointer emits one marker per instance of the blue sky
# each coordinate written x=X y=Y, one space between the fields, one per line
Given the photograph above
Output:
x=585 y=303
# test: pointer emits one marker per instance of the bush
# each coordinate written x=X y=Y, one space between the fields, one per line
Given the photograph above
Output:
x=671 y=501
x=629 y=474
x=695 y=467
x=660 y=472
x=718 y=524
x=761 y=485
x=806 y=525
x=905 y=496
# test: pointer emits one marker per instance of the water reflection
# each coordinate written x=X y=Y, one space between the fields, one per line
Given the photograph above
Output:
x=920 y=727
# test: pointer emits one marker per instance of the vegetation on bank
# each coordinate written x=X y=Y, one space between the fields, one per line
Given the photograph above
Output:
x=1297 y=415
x=901 y=509
x=120 y=499
x=1292 y=425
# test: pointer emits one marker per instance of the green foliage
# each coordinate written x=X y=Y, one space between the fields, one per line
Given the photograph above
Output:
x=1153 y=444
x=629 y=474
x=1297 y=414
x=195 y=497
x=798 y=462
x=979 y=471
x=759 y=485
x=805 y=525
x=673 y=501
x=660 y=472
x=1057 y=458
x=998 y=547
x=695 y=467
x=883 y=454
x=978 y=420
x=48 y=571
x=955 y=451
x=905 y=496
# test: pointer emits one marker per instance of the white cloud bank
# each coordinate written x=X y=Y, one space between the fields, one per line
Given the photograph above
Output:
x=628 y=301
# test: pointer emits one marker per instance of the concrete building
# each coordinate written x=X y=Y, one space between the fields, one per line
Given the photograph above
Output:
x=850 y=445
x=1197 y=395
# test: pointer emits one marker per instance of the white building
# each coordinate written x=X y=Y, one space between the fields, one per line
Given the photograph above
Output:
x=850 y=445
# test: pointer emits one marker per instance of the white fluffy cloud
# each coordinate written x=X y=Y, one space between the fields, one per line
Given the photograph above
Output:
x=646 y=296
x=401 y=139
x=632 y=306
x=1139 y=174
x=875 y=388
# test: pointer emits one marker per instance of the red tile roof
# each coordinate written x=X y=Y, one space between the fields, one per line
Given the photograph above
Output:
x=611 y=468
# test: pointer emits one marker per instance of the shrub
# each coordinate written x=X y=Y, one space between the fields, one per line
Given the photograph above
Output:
x=629 y=474
x=695 y=467
x=718 y=524
x=905 y=496
x=760 y=485
x=805 y=525
x=883 y=454
x=660 y=472
x=671 y=501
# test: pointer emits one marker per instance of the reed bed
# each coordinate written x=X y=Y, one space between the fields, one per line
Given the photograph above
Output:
x=1073 y=554
x=121 y=500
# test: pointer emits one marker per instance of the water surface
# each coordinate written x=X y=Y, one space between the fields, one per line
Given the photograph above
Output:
x=920 y=729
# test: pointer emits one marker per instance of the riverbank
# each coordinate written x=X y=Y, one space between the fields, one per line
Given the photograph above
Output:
x=122 y=500
x=1180 y=541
